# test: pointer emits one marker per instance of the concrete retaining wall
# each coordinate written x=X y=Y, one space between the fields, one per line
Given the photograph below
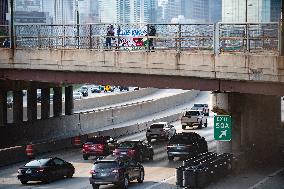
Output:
x=17 y=154
x=68 y=126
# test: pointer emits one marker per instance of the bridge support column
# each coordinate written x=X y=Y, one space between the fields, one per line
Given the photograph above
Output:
x=45 y=103
x=221 y=100
x=31 y=104
x=3 y=108
x=17 y=106
x=69 y=104
x=57 y=101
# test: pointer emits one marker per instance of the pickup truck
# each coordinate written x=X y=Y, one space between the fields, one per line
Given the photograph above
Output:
x=160 y=130
x=192 y=118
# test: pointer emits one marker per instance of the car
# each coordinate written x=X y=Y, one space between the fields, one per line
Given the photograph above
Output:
x=97 y=89
x=45 y=170
x=186 y=144
x=117 y=170
x=123 y=88
x=135 y=149
x=160 y=130
x=136 y=88
x=9 y=102
x=193 y=117
x=98 y=146
x=77 y=96
x=84 y=90
x=108 y=88
x=203 y=107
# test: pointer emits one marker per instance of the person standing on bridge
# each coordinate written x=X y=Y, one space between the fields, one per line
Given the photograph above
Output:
x=152 y=33
x=110 y=32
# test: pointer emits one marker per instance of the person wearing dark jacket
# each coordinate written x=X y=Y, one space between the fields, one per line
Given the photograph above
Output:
x=152 y=32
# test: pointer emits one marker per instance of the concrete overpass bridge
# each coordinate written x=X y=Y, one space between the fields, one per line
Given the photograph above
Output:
x=240 y=62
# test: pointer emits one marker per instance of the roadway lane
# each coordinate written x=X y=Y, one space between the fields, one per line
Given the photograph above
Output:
x=159 y=172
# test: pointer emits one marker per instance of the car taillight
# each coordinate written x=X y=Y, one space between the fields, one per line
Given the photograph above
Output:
x=92 y=171
x=85 y=146
x=100 y=146
x=131 y=152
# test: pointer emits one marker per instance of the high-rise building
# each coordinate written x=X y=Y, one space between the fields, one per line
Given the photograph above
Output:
x=28 y=5
x=64 y=12
x=173 y=8
x=235 y=10
x=196 y=10
x=3 y=11
x=215 y=11
x=275 y=11
x=108 y=11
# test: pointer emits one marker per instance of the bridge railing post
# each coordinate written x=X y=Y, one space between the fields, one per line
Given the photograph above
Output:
x=90 y=36
x=148 y=30
x=179 y=39
x=216 y=38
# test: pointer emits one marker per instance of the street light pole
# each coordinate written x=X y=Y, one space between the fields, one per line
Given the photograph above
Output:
x=281 y=40
x=77 y=23
x=246 y=16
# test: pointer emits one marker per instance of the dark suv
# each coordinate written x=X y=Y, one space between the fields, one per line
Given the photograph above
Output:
x=137 y=150
x=116 y=170
x=186 y=145
x=98 y=146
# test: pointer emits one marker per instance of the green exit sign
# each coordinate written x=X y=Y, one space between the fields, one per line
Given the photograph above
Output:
x=223 y=127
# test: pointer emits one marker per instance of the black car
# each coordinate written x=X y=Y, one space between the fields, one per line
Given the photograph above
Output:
x=45 y=170
x=123 y=88
x=117 y=170
x=84 y=92
x=137 y=150
x=186 y=145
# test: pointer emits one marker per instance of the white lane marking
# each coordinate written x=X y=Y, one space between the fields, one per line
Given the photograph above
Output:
x=266 y=178
x=161 y=182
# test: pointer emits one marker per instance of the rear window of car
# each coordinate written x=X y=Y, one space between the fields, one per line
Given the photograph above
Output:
x=105 y=165
x=157 y=126
x=96 y=141
x=127 y=144
x=181 y=139
x=191 y=113
x=36 y=163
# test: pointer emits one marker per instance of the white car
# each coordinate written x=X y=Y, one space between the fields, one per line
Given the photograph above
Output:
x=193 y=117
x=77 y=96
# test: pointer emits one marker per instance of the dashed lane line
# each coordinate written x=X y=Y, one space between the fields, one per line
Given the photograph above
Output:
x=161 y=182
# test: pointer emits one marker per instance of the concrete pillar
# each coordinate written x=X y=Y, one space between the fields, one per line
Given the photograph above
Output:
x=45 y=103
x=221 y=100
x=3 y=108
x=69 y=104
x=17 y=106
x=57 y=101
x=32 y=104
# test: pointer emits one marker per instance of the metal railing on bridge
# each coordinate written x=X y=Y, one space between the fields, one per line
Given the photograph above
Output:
x=218 y=38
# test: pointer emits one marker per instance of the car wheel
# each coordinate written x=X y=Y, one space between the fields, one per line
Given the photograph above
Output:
x=183 y=127
x=205 y=124
x=85 y=157
x=125 y=183
x=171 y=158
x=95 y=186
x=70 y=175
x=24 y=181
x=151 y=156
x=141 y=177
x=200 y=125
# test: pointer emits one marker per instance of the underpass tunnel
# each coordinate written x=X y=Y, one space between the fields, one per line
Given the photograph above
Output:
x=23 y=101
x=256 y=127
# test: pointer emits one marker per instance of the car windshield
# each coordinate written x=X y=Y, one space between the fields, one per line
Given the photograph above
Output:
x=198 y=105
x=77 y=94
x=105 y=165
x=181 y=140
x=37 y=163
x=127 y=144
x=157 y=126
x=191 y=113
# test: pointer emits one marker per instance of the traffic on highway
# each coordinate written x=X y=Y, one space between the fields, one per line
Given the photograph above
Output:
x=147 y=159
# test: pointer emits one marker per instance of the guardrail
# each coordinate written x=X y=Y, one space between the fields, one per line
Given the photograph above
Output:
x=218 y=38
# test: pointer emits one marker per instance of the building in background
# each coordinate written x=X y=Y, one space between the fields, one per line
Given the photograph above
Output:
x=3 y=12
x=64 y=12
x=215 y=11
x=196 y=10
x=275 y=10
x=257 y=10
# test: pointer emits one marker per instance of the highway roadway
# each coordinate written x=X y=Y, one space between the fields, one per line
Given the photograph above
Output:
x=159 y=173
